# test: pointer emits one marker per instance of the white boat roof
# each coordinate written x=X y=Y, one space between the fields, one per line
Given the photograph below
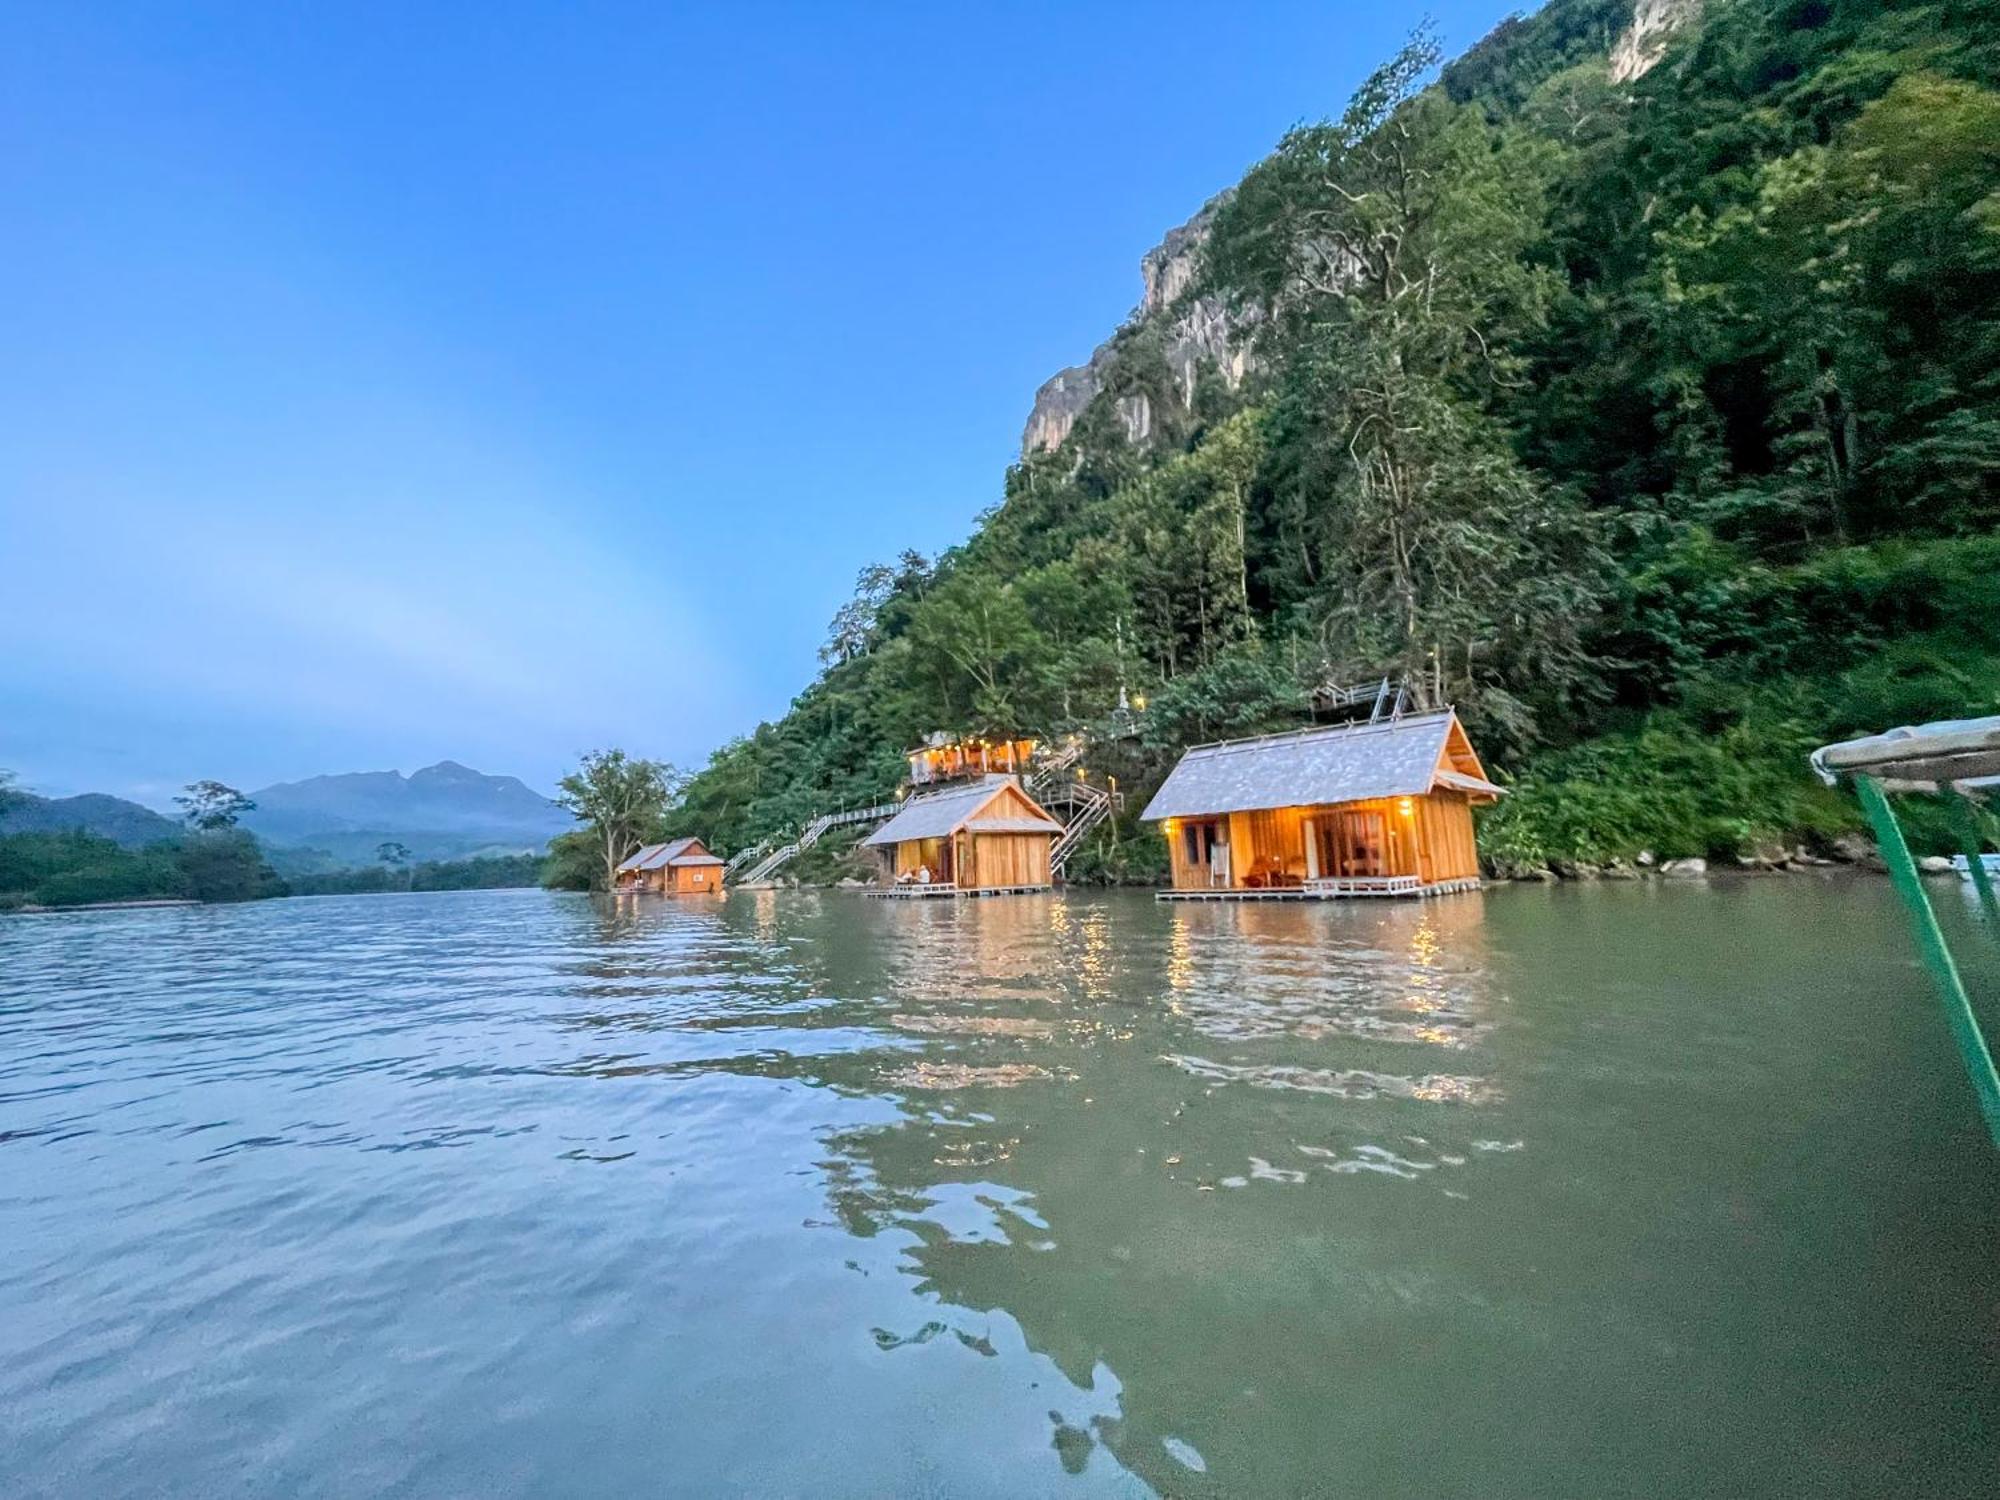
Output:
x=1963 y=753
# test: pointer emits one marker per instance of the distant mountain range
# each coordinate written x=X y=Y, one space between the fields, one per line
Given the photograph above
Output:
x=445 y=811
x=124 y=823
x=441 y=812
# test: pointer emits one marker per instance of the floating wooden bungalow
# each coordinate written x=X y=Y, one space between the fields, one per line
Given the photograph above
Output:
x=985 y=838
x=944 y=758
x=681 y=867
x=1365 y=809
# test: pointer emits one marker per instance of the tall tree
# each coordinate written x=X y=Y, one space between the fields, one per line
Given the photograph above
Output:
x=621 y=799
x=1395 y=249
x=211 y=806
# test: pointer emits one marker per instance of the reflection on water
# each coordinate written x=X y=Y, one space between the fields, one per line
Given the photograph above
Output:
x=1577 y=1192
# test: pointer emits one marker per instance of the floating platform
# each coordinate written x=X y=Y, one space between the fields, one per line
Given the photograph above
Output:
x=1401 y=886
x=935 y=891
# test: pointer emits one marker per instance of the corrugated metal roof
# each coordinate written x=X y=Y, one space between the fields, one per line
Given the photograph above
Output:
x=637 y=860
x=1306 y=768
x=1460 y=782
x=654 y=856
x=937 y=815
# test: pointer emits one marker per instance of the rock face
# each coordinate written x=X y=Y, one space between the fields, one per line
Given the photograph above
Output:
x=1198 y=330
x=1644 y=43
x=1058 y=404
x=1205 y=330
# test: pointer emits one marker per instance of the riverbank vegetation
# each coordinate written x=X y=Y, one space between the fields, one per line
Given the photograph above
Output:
x=213 y=859
x=1656 y=423
x=75 y=868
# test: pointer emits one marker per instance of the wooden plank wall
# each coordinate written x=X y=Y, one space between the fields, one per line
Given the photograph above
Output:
x=1006 y=859
x=1447 y=829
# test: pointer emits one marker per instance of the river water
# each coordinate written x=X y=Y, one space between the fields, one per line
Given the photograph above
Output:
x=1660 y=1190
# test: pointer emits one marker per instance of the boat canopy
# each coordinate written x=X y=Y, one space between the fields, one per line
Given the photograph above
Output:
x=1951 y=754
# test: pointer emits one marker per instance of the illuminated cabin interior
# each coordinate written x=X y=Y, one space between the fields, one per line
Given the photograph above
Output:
x=681 y=867
x=1365 y=809
x=943 y=759
x=982 y=838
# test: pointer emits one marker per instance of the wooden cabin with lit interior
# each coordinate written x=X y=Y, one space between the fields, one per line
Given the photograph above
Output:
x=1364 y=809
x=983 y=838
x=680 y=867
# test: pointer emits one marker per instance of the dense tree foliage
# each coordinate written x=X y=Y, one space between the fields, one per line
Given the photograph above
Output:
x=621 y=800
x=481 y=873
x=75 y=868
x=1658 y=422
x=212 y=806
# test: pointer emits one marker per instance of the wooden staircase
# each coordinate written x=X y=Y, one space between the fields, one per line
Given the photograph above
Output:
x=761 y=872
x=1087 y=806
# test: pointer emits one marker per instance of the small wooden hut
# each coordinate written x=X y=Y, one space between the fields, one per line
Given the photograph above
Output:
x=985 y=838
x=680 y=867
x=1365 y=809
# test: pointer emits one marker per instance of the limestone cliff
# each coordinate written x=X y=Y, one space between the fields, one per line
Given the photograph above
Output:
x=1198 y=331
x=1202 y=333
x=1644 y=43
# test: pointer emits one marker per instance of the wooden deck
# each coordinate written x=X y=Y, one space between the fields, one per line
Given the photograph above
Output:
x=1328 y=890
x=935 y=890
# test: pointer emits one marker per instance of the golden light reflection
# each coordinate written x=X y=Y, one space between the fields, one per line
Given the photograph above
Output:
x=1426 y=954
x=1180 y=953
x=1095 y=964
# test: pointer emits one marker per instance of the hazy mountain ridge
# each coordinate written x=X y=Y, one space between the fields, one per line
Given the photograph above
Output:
x=448 y=809
x=127 y=824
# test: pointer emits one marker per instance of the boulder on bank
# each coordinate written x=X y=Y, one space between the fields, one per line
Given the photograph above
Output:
x=1684 y=869
x=1499 y=867
x=1763 y=854
x=1935 y=864
x=1619 y=870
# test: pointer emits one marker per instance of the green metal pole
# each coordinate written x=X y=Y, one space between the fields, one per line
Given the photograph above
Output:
x=1937 y=956
x=1965 y=813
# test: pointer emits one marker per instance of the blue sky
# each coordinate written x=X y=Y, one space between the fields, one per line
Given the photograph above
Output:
x=386 y=383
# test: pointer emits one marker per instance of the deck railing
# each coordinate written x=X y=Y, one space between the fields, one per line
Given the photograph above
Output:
x=771 y=863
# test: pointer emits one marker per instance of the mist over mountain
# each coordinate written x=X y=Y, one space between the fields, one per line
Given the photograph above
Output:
x=442 y=811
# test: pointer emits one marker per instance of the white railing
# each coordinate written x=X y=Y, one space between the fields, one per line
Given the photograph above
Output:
x=1051 y=766
x=771 y=863
x=1089 y=806
x=1362 y=885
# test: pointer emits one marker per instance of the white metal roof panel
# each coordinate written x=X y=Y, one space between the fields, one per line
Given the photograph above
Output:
x=1306 y=768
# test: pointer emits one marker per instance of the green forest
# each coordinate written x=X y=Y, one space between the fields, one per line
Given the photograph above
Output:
x=210 y=859
x=1657 y=423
